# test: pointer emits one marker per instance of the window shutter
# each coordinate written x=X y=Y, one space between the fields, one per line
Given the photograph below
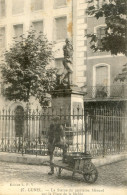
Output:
x=100 y=35
x=2 y=37
x=99 y=38
x=61 y=28
x=59 y=3
x=17 y=6
x=38 y=26
x=18 y=29
x=37 y=4
x=2 y=8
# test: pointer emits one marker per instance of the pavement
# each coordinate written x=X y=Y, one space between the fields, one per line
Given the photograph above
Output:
x=22 y=175
x=23 y=179
x=43 y=160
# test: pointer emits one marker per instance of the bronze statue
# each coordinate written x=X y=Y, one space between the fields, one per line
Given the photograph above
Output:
x=64 y=80
x=67 y=61
x=68 y=51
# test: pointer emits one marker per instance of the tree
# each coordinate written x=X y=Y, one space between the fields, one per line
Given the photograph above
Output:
x=26 y=70
x=114 y=13
x=122 y=76
x=115 y=38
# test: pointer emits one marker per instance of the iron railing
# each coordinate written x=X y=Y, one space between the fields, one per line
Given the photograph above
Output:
x=27 y=132
x=106 y=131
x=98 y=131
x=113 y=91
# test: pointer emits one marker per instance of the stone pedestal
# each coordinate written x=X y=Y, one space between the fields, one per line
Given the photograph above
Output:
x=71 y=99
x=69 y=105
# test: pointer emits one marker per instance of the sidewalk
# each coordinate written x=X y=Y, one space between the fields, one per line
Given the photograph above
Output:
x=43 y=160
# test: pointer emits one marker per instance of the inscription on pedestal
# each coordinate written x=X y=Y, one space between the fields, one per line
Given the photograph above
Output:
x=77 y=107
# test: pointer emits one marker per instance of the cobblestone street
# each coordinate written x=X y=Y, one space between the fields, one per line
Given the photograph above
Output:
x=26 y=178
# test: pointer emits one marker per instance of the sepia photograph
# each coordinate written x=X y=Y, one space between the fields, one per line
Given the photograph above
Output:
x=63 y=97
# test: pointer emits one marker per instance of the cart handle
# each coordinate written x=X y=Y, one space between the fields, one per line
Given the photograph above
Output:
x=82 y=158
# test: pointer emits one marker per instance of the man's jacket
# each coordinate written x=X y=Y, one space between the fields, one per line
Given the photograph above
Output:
x=55 y=133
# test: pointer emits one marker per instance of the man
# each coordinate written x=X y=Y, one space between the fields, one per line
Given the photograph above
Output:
x=56 y=138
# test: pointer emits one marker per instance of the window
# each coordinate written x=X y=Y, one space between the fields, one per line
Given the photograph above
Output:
x=59 y=65
x=36 y=5
x=2 y=8
x=2 y=37
x=101 y=76
x=38 y=26
x=59 y=3
x=18 y=30
x=17 y=6
x=102 y=81
x=100 y=34
x=61 y=28
x=100 y=3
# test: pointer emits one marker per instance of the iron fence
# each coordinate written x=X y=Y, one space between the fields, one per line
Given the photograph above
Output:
x=26 y=131
x=98 y=131
x=106 y=131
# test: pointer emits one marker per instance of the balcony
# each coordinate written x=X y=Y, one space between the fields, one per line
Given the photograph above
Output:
x=106 y=92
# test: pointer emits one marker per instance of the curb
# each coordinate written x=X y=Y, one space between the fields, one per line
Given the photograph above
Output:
x=25 y=159
x=109 y=159
x=42 y=160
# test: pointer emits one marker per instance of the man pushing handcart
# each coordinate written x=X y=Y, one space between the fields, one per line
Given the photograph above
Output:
x=76 y=162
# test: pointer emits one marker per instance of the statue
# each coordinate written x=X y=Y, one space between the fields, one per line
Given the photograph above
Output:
x=68 y=51
x=65 y=78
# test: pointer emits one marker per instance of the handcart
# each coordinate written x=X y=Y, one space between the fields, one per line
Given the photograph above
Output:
x=78 y=163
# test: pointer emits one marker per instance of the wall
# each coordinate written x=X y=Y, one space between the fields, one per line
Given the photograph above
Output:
x=47 y=14
x=94 y=58
x=115 y=63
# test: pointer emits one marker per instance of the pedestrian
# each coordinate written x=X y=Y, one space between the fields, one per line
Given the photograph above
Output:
x=56 y=138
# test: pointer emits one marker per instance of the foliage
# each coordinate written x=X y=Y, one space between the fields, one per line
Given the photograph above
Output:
x=26 y=69
x=114 y=12
x=122 y=76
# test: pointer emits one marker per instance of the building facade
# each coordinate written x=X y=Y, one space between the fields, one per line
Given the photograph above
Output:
x=93 y=72
x=61 y=19
x=102 y=69
x=58 y=19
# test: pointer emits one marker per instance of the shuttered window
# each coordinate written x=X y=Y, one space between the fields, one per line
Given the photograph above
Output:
x=100 y=3
x=101 y=76
x=2 y=37
x=17 y=6
x=100 y=35
x=38 y=26
x=36 y=5
x=59 y=3
x=2 y=8
x=61 y=28
x=18 y=30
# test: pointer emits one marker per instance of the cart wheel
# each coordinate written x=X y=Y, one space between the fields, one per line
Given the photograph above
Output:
x=91 y=174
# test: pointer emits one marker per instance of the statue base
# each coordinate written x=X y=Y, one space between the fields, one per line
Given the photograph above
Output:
x=69 y=105
x=68 y=99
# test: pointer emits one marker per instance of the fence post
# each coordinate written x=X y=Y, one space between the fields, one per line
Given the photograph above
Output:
x=119 y=130
x=86 y=128
x=103 y=115
x=23 y=134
